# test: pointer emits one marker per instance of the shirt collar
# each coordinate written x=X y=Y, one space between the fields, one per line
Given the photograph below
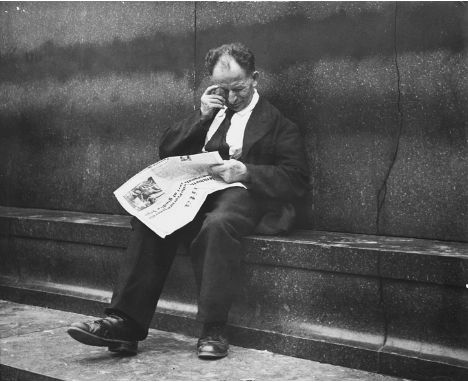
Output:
x=246 y=109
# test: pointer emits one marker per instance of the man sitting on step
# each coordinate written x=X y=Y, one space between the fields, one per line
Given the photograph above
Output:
x=263 y=150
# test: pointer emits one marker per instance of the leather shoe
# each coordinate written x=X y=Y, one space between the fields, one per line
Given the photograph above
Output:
x=213 y=344
x=112 y=331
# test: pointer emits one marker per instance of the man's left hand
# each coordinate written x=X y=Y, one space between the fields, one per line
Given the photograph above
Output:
x=230 y=171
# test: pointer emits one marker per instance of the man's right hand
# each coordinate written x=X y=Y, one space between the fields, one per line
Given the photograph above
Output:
x=210 y=102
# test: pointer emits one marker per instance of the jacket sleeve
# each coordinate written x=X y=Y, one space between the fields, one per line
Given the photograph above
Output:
x=185 y=137
x=287 y=177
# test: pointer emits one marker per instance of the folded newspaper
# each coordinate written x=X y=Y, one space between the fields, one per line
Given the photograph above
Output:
x=168 y=194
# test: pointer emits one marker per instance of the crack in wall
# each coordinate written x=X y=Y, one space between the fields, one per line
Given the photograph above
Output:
x=382 y=193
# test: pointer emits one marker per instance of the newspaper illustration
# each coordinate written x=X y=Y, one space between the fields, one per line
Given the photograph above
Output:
x=167 y=195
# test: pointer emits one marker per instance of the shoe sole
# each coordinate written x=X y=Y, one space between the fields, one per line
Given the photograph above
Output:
x=211 y=355
x=117 y=346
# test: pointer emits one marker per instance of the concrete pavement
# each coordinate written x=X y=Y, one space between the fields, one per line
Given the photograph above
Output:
x=35 y=345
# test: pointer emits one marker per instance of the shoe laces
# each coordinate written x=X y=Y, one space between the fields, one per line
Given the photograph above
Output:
x=107 y=322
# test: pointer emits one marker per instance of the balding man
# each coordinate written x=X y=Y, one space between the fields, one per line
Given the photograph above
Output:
x=263 y=150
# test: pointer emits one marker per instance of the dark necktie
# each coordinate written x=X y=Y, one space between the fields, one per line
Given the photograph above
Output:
x=218 y=140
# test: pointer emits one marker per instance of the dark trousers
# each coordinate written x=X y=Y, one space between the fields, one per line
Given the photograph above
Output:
x=214 y=241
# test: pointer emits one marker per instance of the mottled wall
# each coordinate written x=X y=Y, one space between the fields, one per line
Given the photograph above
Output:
x=380 y=90
x=85 y=90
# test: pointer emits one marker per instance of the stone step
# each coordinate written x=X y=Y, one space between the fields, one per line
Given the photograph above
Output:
x=35 y=345
x=392 y=305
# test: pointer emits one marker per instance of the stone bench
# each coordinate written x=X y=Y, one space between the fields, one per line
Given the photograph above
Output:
x=384 y=304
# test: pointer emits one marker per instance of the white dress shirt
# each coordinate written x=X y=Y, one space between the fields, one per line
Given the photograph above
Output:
x=235 y=134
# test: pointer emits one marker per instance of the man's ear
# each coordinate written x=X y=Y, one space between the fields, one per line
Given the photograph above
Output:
x=255 y=76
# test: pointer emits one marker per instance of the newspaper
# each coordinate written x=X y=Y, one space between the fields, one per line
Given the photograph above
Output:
x=168 y=194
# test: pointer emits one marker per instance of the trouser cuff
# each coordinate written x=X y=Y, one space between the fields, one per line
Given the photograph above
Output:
x=140 y=332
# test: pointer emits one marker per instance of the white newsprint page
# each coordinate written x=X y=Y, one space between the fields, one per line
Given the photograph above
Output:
x=168 y=194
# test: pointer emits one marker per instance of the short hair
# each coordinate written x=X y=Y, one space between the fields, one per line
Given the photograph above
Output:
x=238 y=51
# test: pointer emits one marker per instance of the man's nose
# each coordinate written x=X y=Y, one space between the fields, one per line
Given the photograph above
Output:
x=231 y=96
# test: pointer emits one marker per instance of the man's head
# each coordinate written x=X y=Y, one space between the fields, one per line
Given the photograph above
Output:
x=232 y=67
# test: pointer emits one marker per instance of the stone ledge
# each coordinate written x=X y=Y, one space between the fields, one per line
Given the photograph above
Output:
x=354 y=300
x=78 y=227
x=379 y=256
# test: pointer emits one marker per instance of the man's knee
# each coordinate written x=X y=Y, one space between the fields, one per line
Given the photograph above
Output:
x=218 y=222
x=233 y=224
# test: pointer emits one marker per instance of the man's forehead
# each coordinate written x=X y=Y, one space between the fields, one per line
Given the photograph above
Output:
x=227 y=71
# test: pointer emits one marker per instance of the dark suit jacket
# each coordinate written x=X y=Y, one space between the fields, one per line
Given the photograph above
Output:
x=273 y=152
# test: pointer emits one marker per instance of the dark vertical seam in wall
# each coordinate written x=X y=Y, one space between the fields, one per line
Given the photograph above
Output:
x=194 y=55
x=382 y=193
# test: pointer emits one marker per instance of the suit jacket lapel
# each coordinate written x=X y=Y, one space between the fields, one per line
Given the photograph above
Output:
x=257 y=126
